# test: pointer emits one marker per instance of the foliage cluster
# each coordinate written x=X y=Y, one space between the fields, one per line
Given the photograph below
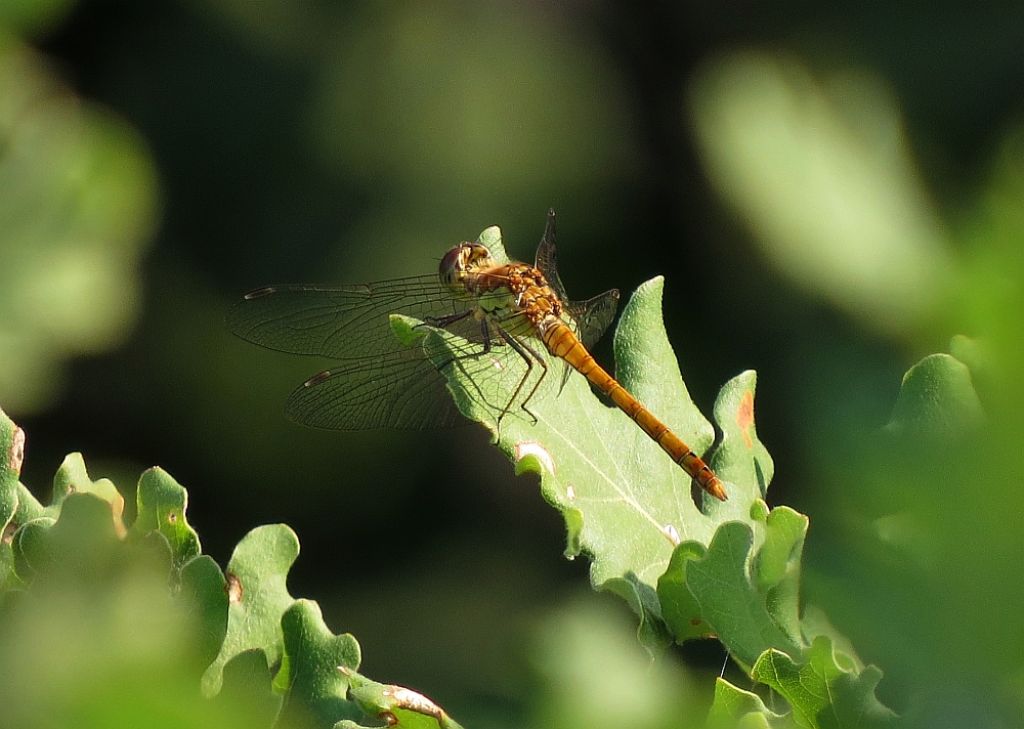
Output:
x=726 y=570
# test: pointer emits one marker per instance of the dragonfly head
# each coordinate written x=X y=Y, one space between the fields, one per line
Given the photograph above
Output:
x=462 y=259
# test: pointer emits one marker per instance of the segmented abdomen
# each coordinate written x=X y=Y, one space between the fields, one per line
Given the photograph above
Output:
x=562 y=342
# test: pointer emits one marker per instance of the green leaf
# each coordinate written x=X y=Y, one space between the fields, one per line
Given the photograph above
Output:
x=624 y=501
x=73 y=478
x=82 y=543
x=395 y=705
x=28 y=506
x=937 y=400
x=826 y=691
x=744 y=586
x=708 y=592
x=736 y=708
x=740 y=456
x=776 y=567
x=162 y=503
x=204 y=589
x=12 y=453
x=315 y=685
x=248 y=682
x=257 y=597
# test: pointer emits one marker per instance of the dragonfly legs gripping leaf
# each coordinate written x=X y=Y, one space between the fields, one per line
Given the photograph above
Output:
x=493 y=332
x=530 y=357
x=441 y=322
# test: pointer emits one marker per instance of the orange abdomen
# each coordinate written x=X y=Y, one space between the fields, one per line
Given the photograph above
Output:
x=561 y=342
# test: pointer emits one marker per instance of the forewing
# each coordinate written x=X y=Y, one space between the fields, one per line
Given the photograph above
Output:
x=589 y=319
x=341 y=322
x=547 y=258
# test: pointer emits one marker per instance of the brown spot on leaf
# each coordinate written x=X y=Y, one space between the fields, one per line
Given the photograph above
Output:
x=8 y=534
x=172 y=517
x=234 y=588
x=16 y=454
x=745 y=417
x=695 y=621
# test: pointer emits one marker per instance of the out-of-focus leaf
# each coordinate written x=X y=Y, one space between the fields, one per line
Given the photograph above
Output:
x=248 y=682
x=921 y=543
x=390 y=55
x=204 y=590
x=595 y=676
x=936 y=400
x=76 y=211
x=82 y=543
x=826 y=691
x=822 y=174
x=292 y=29
x=12 y=454
x=95 y=640
x=734 y=708
x=73 y=478
x=30 y=17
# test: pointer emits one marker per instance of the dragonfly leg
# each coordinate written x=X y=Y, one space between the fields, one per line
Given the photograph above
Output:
x=441 y=322
x=530 y=356
x=486 y=341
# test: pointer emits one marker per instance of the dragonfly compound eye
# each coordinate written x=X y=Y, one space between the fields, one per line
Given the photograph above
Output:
x=453 y=262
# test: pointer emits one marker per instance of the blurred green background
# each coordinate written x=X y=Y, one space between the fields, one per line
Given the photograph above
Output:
x=831 y=194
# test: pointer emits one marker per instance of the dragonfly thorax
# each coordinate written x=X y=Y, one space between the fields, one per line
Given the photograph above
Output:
x=533 y=296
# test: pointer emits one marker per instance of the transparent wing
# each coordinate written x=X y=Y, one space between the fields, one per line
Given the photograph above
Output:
x=401 y=390
x=381 y=383
x=593 y=316
x=342 y=322
x=378 y=382
x=547 y=258
x=590 y=318
x=406 y=389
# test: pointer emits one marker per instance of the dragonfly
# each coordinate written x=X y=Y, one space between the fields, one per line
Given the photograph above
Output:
x=499 y=315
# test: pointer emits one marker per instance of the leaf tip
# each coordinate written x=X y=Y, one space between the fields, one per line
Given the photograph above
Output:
x=406 y=329
x=532 y=457
x=490 y=236
x=573 y=532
